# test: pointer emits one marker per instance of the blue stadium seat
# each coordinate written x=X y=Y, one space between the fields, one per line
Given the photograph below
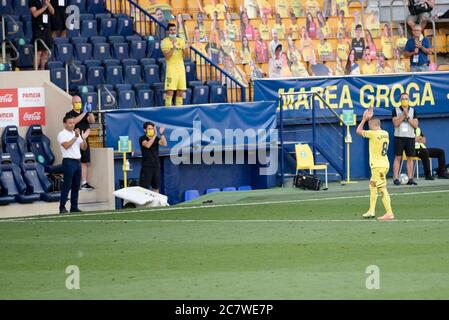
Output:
x=13 y=144
x=95 y=6
x=122 y=86
x=120 y=15
x=125 y=27
x=92 y=98
x=95 y=76
x=218 y=94
x=229 y=189
x=26 y=57
x=191 y=195
x=103 y=87
x=28 y=30
x=64 y=52
x=194 y=83
x=145 y=98
x=55 y=64
x=12 y=182
x=57 y=76
x=97 y=39
x=5 y=67
x=101 y=16
x=162 y=68
x=159 y=97
x=60 y=40
x=87 y=16
x=76 y=40
x=244 y=188
x=21 y=7
x=151 y=74
x=127 y=99
x=114 y=75
x=212 y=190
x=120 y=51
x=133 y=74
x=129 y=62
x=138 y=49
x=187 y=97
x=142 y=86
x=102 y=51
x=85 y=89
x=88 y=28
x=147 y=61
x=108 y=27
x=77 y=76
x=72 y=32
x=39 y=144
x=83 y=51
x=14 y=30
x=211 y=83
x=158 y=85
x=81 y=4
x=111 y=62
x=36 y=180
x=200 y=95
x=6 y=7
x=114 y=39
x=107 y=103
x=190 y=71
x=154 y=49
x=92 y=63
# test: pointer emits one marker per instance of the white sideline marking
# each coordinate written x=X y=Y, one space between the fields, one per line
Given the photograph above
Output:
x=233 y=221
x=47 y=218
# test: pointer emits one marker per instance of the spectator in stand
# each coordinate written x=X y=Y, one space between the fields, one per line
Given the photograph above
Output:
x=40 y=21
x=370 y=44
x=282 y=8
x=294 y=27
x=260 y=49
x=245 y=52
x=198 y=45
x=418 y=48
x=339 y=69
x=228 y=46
x=181 y=27
x=150 y=172
x=311 y=26
x=292 y=50
x=306 y=46
x=420 y=12
x=372 y=21
x=83 y=118
x=233 y=71
x=343 y=47
x=323 y=28
x=214 y=6
x=264 y=28
x=329 y=8
x=298 y=69
x=325 y=50
x=319 y=69
x=275 y=42
x=352 y=66
x=166 y=9
x=231 y=28
x=275 y=63
x=312 y=6
x=252 y=8
x=213 y=52
x=160 y=31
x=71 y=141
x=382 y=67
x=174 y=50
x=358 y=43
x=256 y=73
x=286 y=72
x=201 y=27
x=369 y=67
x=355 y=23
x=387 y=42
x=398 y=65
x=58 y=19
x=341 y=24
x=342 y=5
x=279 y=27
x=401 y=40
x=264 y=7
x=215 y=26
x=246 y=28
x=296 y=7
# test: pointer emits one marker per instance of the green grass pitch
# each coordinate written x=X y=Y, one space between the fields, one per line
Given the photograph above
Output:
x=267 y=244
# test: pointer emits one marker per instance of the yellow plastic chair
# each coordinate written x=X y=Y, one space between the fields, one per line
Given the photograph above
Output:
x=305 y=160
x=415 y=165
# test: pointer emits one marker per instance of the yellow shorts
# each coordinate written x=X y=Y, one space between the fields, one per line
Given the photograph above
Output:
x=175 y=79
x=379 y=176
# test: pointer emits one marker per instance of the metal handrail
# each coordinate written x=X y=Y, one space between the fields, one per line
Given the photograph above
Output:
x=114 y=101
x=35 y=51
x=77 y=70
x=14 y=48
x=4 y=37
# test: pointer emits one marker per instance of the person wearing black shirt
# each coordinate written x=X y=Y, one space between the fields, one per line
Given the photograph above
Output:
x=40 y=21
x=425 y=154
x=150 y=172
x=358 y=43
x=58 y=19
x=83 y=119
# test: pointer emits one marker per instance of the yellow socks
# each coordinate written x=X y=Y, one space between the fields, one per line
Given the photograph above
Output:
x=386 y=200
x=168 y=100
x=179 y=101
x=372 y=199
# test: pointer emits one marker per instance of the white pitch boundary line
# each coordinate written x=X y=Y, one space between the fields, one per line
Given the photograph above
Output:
x=46 y=218
x=231 y=221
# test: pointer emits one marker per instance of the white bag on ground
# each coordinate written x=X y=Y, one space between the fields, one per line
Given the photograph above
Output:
x=141 y=197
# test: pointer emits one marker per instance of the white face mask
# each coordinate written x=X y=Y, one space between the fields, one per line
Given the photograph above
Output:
x=172 y=36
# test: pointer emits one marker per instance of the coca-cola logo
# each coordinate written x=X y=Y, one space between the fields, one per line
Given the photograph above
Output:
x=32 y=116
x=7 y=98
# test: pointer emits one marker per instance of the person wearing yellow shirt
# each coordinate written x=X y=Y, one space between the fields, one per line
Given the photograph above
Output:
x=378 y=148
x=201 y=27
x=282 y=8
x=280 y=27
x=325 y=51
x=369 y=67
x=285 y=70
x=298 y=69
x=401 y=39
x=312 y=6
x=231 y=27
x=387 y=42
x=343 y=5
x=292 y=50
x=306 y=46
x=398 y=65
x=372 y=22
x=382 y=67
x=296 y=7
x=181 y=27
x=213 y=7
x=294 y=27
x=264 y=7
x=341 y=24
x=174 y=50
x=245 y=52
x=323 y=28
x=198 y=45
x=265 y=28
x=339 y=69
x=227 y=46
x=342 y=47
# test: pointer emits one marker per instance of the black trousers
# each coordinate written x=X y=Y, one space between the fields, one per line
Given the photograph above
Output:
x=72 y=182
x=427 y=153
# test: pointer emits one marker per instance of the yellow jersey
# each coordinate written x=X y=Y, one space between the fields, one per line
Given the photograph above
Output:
x=369 y=68
x=387 y=47
x=265 y=31
x=343 y=5
x=378 y=148
x=281 y=30
x=325 y=51
x=282 y=8
x=342 y=51
x=176 y=60
x=210 y=9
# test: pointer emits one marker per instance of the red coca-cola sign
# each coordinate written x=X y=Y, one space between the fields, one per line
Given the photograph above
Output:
x=30 y=116
x=8 y=98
